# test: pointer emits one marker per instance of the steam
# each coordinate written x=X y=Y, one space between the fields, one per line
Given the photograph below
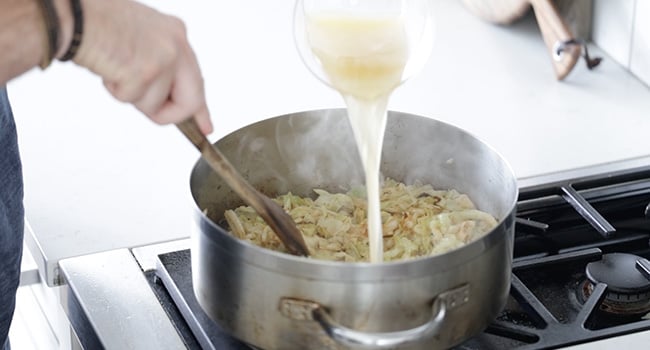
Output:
x=324 y=153
x=316 y=149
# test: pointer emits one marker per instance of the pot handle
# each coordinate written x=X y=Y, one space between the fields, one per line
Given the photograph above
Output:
x=308 y=310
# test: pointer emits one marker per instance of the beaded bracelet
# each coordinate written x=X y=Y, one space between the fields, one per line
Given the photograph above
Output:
x=51 y=20
x=77 y=31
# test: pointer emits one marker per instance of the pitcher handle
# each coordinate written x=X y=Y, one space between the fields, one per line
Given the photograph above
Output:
x=441 y=305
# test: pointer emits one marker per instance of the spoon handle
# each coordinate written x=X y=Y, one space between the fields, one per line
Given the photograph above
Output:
x=281 y=223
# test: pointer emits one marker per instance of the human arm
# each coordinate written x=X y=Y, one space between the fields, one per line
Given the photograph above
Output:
x=22 y=37
x=142 y=55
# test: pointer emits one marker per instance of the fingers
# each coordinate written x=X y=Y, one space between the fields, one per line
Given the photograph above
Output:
x=145 y=59
x=155 y=95
x=171 y=99
x=203 y=119
x=138 y=87
x=185 y=98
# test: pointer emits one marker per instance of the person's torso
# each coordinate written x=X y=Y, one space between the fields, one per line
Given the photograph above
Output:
x=11 y=214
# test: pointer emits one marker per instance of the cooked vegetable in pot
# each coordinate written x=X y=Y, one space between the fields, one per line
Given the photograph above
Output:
x=417 y=220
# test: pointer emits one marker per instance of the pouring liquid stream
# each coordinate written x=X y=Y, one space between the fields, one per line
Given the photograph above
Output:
x=364 y=58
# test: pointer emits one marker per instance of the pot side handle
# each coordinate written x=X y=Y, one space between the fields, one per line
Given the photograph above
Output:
x=308 y=310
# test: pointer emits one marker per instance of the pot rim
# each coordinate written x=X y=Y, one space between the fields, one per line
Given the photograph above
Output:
x=406 y=268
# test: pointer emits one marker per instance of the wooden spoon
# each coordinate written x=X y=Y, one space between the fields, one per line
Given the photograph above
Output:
x=279 y=221
x=554 y=30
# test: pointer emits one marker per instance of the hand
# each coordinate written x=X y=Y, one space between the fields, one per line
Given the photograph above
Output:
x=145 y=59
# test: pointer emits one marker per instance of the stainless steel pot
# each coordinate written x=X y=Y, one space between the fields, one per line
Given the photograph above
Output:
x=277 y=301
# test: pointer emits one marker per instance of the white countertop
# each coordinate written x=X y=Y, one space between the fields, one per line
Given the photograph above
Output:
x=99 y=176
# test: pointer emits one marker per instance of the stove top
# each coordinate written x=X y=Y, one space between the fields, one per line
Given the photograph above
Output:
x=553 y=303
x=580 y=272
x=580 y=276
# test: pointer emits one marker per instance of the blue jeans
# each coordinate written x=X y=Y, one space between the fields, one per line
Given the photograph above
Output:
x=11 y=217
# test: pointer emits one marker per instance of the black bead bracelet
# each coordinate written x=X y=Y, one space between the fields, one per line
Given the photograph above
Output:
x=77 y=31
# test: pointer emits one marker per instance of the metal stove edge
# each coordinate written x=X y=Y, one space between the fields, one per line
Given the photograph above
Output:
x=110 y=304
x=607 y=169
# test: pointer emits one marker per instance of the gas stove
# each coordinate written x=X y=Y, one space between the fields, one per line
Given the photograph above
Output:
x=581 y=271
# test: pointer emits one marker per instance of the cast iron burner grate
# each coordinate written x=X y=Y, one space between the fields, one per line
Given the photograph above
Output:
x=547 y=310
x=561 y=228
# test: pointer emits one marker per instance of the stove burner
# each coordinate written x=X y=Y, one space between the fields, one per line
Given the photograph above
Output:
x=628 y=288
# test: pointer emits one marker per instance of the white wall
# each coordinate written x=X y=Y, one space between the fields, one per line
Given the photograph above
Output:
x=622 y=29
x=640 y=53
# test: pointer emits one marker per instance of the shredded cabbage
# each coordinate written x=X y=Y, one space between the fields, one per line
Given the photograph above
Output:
x=416 y=221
